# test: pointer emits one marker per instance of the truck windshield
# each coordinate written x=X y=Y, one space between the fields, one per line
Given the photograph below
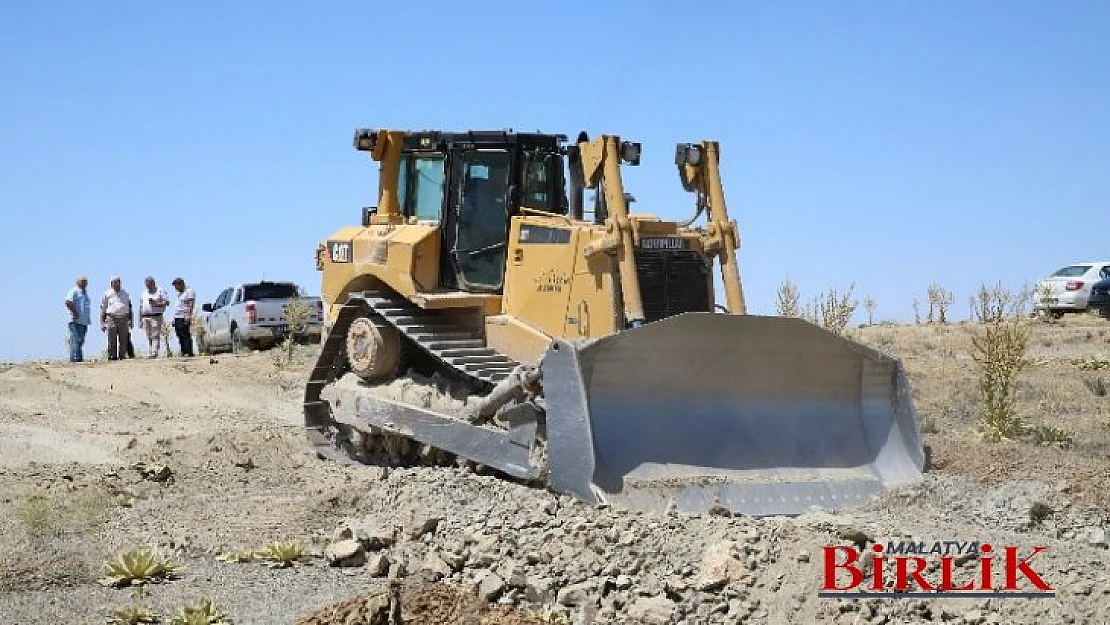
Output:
x=269 y=290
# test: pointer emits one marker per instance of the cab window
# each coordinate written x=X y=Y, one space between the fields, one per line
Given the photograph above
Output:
x=428 y=179
x=420 y=183
x=536 y=181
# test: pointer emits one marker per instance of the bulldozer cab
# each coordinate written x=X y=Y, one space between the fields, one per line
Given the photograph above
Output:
x=470 y=184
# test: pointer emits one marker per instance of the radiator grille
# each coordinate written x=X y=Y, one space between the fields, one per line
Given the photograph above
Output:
x=672 y=282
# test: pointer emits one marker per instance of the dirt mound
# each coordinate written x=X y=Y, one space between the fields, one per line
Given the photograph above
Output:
x=417 y=601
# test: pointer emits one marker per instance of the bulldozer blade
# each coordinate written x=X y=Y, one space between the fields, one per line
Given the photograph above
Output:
x=757 y=415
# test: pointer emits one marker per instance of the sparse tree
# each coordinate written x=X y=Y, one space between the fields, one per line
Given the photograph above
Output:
x=916 y=311
x=940 y=299
x=869 y=305
x=835 y=310
x=199 y=331
x=810 y=311
x=786 y=302
x=164 y=335
x=296 y=316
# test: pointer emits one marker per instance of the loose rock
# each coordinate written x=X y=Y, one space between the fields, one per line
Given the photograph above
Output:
x=345 y=553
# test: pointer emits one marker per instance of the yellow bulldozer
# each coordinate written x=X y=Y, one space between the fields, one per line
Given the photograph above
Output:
x=482 y=313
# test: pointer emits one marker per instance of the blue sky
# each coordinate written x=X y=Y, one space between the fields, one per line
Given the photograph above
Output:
x=886 y=143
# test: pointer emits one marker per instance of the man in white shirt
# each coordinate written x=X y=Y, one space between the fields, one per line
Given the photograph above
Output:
x=183 y=316
x=117 y=319
x=153 y=305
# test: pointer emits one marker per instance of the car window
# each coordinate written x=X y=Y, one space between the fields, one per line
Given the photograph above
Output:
x=270 y=290
x=222 y=299
x=1104 y=272
x=1071 y=271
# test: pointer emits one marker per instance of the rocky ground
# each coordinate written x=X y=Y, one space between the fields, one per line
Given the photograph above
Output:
x=203 y=459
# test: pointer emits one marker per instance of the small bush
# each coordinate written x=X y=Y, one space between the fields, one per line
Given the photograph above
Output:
x=276 y=555
x=134 y=615
x=999 y=351
x=164 y=333
x=204 y=613
x=238 y=556
x=547 y=615
x=199 y=331
x=137 y=567
x=94 y=508
x=1094 y=362
x=281 y=555
x=38 y=514
x=296 y=318
x=1049 y=435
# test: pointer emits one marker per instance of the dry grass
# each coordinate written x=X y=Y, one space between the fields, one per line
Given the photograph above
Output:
x=1066 y=439
x=38 y=514
x=43 y=515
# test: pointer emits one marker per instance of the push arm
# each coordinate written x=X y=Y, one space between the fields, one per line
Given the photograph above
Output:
x=698 y=166
x=601 y=159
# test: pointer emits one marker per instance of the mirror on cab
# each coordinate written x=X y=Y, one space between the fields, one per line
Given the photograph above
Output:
x=206 y=308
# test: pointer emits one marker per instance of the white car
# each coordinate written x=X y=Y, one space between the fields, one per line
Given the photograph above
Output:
x=1068 y=288
x=252 y=315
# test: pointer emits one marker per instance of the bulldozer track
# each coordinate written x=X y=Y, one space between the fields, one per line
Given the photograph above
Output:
x=456 y=348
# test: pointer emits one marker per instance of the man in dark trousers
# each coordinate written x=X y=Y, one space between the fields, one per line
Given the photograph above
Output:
x=183 y=316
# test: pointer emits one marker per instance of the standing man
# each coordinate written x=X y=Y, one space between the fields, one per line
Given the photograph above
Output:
x=154 y=302
x=183 y=316
x=117 y=319
x=77 y=301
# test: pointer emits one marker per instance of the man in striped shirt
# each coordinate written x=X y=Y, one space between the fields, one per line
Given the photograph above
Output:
x=117 y=319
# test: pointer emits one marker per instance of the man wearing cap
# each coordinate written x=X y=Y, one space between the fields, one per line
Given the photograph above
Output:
x=117 y=319
x=77 y=301
x=154 y=302
x=183 y=316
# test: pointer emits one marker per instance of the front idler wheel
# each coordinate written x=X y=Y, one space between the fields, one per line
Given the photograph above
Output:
x=373 y=349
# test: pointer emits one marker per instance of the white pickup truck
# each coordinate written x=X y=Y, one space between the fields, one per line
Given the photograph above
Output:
x=252 y=315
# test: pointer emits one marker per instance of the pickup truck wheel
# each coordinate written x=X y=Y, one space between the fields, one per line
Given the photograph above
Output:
x=237 y=344
x=373 y=349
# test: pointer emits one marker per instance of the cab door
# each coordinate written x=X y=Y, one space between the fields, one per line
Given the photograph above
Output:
x=477 y=224
x=218 y=322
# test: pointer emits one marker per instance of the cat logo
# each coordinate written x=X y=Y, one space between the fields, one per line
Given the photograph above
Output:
x=339 y=251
